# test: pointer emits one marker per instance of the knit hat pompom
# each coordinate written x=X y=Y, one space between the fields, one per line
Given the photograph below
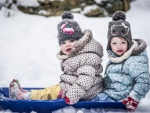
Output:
x=67 y=15
x=119 y=15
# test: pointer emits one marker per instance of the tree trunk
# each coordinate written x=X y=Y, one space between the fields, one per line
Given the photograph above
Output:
x=126 y=5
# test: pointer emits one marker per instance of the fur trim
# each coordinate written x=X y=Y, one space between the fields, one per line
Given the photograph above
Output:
x=82 y=42
x=61 y=56
x=141 y=46
x=125 y=55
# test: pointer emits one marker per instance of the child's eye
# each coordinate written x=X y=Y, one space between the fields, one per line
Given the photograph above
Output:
x=114 y=43
x=72 y=40
x=123 y=42
x=62 y=42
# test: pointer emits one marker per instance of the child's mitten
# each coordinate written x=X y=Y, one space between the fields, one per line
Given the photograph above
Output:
x=130 y=103
x=67 y=100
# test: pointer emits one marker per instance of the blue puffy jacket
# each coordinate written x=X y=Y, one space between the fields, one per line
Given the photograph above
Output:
x=129 y=77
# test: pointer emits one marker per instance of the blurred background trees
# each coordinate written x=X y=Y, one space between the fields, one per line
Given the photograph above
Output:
x=89 y=8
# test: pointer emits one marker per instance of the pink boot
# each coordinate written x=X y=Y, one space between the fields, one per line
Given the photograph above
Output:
x=15 y=80
x=15 y=91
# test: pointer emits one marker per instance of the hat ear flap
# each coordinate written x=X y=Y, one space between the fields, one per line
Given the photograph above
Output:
x=108 y=45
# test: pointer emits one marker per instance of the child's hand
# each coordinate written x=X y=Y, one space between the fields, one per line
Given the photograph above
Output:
x=67 y=100
x=130 y=103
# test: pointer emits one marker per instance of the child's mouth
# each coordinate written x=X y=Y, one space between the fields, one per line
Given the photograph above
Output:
x=119 y=50
x=68 y=50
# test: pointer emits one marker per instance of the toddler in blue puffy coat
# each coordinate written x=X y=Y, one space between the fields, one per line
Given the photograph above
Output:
x=127 y=73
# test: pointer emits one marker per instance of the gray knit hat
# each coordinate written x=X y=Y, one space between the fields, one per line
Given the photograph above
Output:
x=118 y=27
x=68 y=28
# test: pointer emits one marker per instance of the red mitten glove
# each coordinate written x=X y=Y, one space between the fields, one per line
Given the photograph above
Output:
x=130 y=103
x=59 y=94
x=67 y=100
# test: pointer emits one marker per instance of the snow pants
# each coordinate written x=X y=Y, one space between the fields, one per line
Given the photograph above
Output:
x=49 y=93
x=103 y=97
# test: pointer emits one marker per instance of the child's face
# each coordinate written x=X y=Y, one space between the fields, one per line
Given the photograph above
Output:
x=119 y=45
x=67 y=45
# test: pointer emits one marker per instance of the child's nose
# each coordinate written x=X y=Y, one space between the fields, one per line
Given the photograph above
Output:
x=119 y=46
x=67 y=44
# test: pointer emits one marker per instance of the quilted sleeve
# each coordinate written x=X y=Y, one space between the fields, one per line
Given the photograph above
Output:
x=139 y=71
x=84 y=82
x=68 y=78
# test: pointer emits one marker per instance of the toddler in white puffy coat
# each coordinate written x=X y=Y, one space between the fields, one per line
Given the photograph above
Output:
x=81 y=65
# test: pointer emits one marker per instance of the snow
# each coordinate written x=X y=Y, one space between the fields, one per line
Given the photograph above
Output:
x=43 y=12
x=28 y=3
x=76 y=9
x=2 y=2
x=28 y=47
x=98 y=1
x=87 y=9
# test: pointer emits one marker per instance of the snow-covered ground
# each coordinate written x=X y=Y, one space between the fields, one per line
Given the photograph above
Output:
x=28 y=47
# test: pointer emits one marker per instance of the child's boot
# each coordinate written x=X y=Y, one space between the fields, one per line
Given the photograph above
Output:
x=16 y=92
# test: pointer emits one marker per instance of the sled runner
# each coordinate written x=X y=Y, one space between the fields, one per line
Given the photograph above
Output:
x=47 y=106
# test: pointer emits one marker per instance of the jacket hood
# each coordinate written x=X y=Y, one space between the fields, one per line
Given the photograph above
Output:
x=113 y=58
x=138 y=46
x=141 y=46
x=84 y=45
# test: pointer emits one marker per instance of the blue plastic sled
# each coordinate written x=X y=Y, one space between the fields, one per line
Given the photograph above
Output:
x=47 y=106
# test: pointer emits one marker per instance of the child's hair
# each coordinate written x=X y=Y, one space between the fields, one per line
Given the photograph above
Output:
x=118 y=27
x=68 y=28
